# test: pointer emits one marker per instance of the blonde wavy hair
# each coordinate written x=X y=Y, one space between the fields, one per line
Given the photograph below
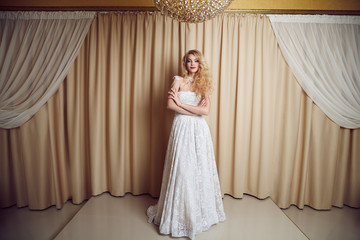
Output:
x=202 y=81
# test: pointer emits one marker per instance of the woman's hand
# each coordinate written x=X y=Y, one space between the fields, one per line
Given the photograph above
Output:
x=203 y=102
x=173 y=95
x=203 y=108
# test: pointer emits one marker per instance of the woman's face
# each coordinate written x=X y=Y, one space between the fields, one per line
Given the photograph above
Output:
x=192 y=64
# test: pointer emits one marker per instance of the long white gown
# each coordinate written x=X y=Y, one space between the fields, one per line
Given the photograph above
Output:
x=190 y=199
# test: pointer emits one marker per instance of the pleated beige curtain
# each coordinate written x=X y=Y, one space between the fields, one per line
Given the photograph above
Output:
x=106 y=129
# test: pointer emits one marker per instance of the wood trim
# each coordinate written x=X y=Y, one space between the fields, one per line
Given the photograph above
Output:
x=295 y=11
x=80 y=8
x=244 y=11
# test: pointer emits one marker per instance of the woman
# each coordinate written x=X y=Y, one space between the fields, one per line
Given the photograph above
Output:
x=190 y=199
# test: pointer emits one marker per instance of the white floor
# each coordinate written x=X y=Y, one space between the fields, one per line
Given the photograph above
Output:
x=107 y=217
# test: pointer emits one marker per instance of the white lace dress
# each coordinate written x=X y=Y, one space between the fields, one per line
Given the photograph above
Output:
x=190 y=199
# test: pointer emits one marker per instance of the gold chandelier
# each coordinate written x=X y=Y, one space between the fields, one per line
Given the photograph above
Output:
x=193 y=11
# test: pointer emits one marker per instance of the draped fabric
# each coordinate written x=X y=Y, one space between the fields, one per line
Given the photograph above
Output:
x=36 y=51
x=323 y=52
x=107 y=127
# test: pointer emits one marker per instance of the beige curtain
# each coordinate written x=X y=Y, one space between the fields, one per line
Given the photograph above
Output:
x=106 y=129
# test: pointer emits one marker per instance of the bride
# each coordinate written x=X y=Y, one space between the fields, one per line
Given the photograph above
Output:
x=190 y=200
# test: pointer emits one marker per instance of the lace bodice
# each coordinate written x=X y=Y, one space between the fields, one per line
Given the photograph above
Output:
x=189 y=97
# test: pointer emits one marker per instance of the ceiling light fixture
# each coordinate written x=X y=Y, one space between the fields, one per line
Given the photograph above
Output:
x=192 y=11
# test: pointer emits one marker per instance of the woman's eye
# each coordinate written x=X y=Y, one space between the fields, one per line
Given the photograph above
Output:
x=196 y=60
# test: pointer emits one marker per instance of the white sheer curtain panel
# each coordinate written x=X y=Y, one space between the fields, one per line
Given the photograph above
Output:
x=36 y=51
x=324 y=54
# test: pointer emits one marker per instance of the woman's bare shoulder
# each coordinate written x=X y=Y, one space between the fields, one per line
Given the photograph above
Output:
x=178 y=78
x=177 y=82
